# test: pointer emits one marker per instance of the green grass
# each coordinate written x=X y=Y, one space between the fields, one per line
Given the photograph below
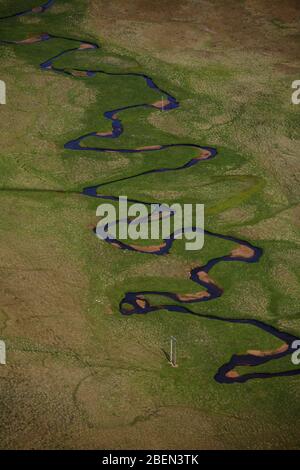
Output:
x=42 y=208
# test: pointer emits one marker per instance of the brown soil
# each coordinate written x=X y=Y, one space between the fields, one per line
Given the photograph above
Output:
x=37 y=10
x=103 y=134
x=78 y=73
x=232 y=374
x=116 y=245
x=256 y=352
x=242 y=251
x=203 y=276
x=148 y=249
x=31 y=40
x=86 y=46
x=161 y=104
x=141 y=302
x=184 y=26
x=204 y=154
x=149 y=147
x=197 y=296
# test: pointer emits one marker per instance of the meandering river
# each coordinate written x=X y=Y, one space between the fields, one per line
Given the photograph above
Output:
x=244 y=252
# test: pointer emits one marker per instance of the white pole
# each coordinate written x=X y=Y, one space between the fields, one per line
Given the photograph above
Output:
x=174 y=358
x=173 y=351
x=2 y=92
x=2 y=353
